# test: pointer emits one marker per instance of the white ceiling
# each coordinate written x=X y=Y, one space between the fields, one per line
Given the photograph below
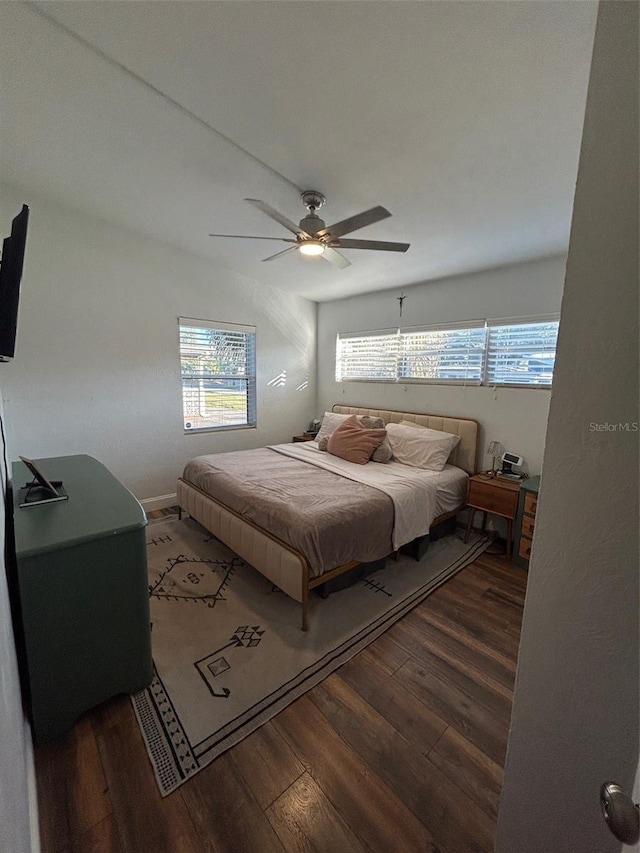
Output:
x=464 y=119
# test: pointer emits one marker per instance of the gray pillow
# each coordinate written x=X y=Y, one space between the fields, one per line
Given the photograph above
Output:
x=383 y=453
x=323 y=442
x=371 y=423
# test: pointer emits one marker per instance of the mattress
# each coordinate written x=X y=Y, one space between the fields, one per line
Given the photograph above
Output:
x=329 y=518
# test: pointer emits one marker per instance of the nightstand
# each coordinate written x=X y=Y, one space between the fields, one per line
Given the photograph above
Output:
x=493 y=495
x=305 y=436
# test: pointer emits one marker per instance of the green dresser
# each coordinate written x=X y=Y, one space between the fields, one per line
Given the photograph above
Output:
x=81 y=569
x=526 y=520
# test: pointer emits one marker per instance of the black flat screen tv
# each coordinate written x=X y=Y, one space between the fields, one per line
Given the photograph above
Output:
x=11 y=264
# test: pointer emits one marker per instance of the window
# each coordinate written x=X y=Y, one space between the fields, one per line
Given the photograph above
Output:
x=218 y=370
x=521 y=353
x=480 y=352
x=447 y=354
x=369 y=356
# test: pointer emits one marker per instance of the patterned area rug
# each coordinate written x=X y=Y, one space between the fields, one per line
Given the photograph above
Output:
x=227 y=645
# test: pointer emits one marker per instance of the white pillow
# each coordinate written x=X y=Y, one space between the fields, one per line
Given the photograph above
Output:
x=434 y=433
x=330 y=421
x=421 y=447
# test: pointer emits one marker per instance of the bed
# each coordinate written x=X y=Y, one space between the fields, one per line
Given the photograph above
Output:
x=306 y=518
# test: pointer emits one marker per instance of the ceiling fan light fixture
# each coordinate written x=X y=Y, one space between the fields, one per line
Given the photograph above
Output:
x=312 y=247
x=312 y=238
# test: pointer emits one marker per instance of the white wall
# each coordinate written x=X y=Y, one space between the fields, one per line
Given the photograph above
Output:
x=575 y=714
x=96 y=368
x=515 y=417
x=18 y=820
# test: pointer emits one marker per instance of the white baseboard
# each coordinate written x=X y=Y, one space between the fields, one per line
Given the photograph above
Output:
x=32 y=794
x=160 y=502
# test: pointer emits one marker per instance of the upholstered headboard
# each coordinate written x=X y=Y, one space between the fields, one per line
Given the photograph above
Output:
x=465 y=454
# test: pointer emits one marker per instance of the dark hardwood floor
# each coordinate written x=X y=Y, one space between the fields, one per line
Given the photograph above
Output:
x=401 y=749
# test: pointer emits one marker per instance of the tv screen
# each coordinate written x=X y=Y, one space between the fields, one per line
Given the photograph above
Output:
x=10 y=275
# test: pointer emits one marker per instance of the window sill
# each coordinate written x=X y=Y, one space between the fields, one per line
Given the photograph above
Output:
x=202 y=430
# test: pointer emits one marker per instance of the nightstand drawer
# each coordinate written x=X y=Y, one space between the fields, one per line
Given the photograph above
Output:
x=530 y=503
x=493 y=498
x=528 y=523
x=525 y=548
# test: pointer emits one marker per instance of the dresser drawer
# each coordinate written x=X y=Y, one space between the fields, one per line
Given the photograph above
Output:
x=492 y=498
x=530 y=503
x=528 y=524
x=525 y=548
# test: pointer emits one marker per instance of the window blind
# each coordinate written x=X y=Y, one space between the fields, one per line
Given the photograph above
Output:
x=218 y=371
x=447 y=354
x=509 y=351
x=521 y=353
x=369 y=356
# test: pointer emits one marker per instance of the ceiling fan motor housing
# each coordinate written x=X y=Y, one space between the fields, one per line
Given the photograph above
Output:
x=311 y=223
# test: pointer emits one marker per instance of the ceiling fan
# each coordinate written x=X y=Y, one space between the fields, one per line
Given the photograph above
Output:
x=313 y=237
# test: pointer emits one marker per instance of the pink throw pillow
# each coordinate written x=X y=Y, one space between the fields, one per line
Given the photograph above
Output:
x=353 y=442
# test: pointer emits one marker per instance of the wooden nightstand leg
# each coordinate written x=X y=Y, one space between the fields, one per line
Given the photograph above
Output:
x=509 y=537
x=484 y=522
x=472 y=513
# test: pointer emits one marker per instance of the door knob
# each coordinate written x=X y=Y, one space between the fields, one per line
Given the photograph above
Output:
x=620 y=812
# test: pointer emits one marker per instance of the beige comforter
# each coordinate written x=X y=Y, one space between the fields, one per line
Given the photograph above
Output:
x=329 y=519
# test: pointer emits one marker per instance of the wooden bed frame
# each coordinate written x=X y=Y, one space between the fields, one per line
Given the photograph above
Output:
x=279 y=562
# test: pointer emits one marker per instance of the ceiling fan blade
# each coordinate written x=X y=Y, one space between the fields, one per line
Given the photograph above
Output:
x=254 y=237
x=273 y=214
x=353 y=223
x=278 y=254
x=380 y=245
x=335 y=258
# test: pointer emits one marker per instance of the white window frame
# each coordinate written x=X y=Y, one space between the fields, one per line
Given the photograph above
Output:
x=394 y=342
x=247 y=377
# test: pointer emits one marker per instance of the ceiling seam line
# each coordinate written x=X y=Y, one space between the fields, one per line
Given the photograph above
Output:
x=176 y=104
